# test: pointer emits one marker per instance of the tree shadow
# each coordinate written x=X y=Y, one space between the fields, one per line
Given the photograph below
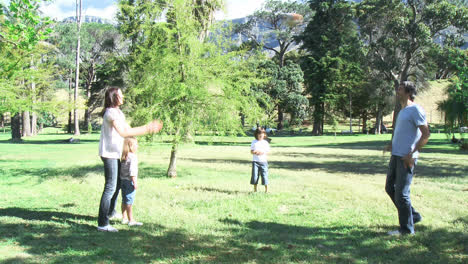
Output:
x=216 y=190
x=50 y=142
x=46 y=173
x=433 y=146
x=44 y=215
x=364 y=165
x=63 y=237
x=221 y=143
x=146 y=170
x=348 y=244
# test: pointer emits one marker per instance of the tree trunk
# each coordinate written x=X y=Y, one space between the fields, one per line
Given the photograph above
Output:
x=364 y=123
x=317 y=115
x=280 y=119
x=33 y=129
x=172 y=170
x=26 y=124
x=33 y=114
x=89 y=82
x=15 y=128
x=33 y=124
x=350 y=115
x=242 y=116
x=2 y=121
x=77 y=70
x=378 y=120
x=69 y=130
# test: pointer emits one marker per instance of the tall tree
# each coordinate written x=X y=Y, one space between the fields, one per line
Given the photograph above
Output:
x=281 y=21
x=98 y=42
x=77 y=69
x=333 y=62
x=400 y=35
x=189 y=85
x=21 y=28
x=455 y=106
x=282 y=90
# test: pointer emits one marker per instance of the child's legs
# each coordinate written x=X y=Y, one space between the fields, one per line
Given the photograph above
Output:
x=263 y=169
x=128 y=209
x=128 y=197
x=254 y=177
x=124 y=210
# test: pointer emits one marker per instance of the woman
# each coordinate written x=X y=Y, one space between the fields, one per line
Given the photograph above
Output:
x=113 y=131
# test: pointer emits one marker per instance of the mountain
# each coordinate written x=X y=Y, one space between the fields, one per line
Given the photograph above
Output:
x=88 y=19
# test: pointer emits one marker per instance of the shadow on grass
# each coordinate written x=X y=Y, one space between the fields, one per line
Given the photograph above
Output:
x=49 y=142
x=145 y=171
x=41 y=215
x=364 y=165
x=434 y=146
x=210 y=189
x=45 y=173
x=62 y=237
x=222 y=143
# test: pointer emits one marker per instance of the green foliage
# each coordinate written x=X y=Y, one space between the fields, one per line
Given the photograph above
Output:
x=274 y=16
x=21 y=29
x=282 y=90
x=400 y=34
x=455 y=106
x=191 y=85
x=333 y=65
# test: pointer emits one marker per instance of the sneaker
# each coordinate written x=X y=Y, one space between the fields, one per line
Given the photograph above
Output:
x=115 y=216
x=398 y=233
x=107 y=228
x=394 y=233
x=135 y=223
x=417 y=220
x=124 y=221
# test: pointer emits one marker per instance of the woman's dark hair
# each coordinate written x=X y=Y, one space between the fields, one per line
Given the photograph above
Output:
x=111 y=98
x=410 y=89
x=259 y=131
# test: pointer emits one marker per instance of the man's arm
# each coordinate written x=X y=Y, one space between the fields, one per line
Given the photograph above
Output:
x=408 y=160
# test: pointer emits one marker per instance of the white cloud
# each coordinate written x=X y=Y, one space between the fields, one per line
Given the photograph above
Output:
x=239 y=8
x=56 y=10
x=108 y=12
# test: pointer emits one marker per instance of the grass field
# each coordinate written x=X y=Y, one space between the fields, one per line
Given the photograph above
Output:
x=326 y=203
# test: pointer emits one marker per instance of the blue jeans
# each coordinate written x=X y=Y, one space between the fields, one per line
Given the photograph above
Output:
x=259 y=168
x=111 y=190
x=128 y=192
x=397 y=187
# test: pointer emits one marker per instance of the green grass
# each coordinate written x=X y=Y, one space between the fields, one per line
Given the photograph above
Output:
x=326 y=203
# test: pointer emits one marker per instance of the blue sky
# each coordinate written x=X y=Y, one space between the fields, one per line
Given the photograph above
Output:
x=60 y=9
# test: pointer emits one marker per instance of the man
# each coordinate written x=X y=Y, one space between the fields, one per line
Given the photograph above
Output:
x=410 y=135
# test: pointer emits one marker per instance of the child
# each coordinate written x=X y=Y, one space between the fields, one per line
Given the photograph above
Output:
x=128 y=176
x=259 y=148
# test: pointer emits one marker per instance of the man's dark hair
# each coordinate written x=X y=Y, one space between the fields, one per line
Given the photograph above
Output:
x=410 y=89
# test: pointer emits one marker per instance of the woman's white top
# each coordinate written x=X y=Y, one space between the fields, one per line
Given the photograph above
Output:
x=111 y=143
x=262 y=146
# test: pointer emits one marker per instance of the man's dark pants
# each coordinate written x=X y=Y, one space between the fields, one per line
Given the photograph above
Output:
x=398 y=188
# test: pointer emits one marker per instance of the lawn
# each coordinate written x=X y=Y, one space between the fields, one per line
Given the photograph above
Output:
x=326 y=203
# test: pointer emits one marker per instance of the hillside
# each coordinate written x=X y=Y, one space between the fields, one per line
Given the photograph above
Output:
x=428 y=99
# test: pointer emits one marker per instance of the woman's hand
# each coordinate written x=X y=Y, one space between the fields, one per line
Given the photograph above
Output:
x=154 y=126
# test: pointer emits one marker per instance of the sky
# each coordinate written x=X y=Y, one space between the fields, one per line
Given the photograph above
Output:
x=60 y=9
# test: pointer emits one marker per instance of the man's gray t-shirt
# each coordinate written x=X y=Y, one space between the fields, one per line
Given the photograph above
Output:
x=407 y=133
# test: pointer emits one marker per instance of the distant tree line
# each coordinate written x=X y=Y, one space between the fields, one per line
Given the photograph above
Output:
x=331 y=60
